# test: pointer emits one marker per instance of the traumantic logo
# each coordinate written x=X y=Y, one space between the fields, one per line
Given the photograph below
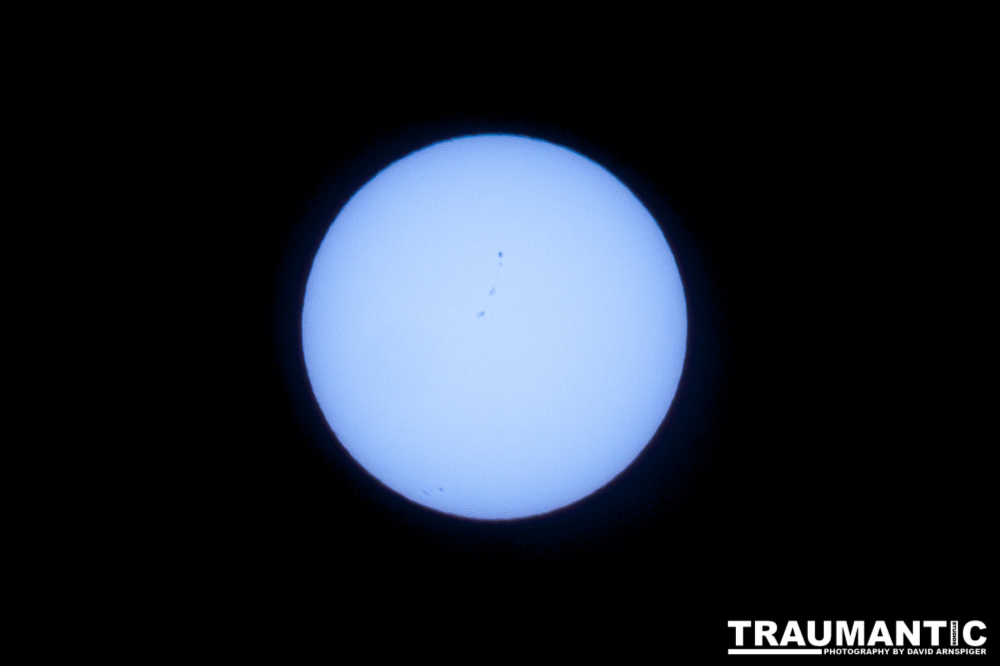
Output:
x=842 y=637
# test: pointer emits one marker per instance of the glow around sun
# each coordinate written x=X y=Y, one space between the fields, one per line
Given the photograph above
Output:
x=494 y=327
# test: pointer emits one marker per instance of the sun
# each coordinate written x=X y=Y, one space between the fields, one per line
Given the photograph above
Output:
x=494 y=327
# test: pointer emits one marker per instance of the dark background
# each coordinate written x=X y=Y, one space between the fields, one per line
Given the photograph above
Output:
x=817 y=462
